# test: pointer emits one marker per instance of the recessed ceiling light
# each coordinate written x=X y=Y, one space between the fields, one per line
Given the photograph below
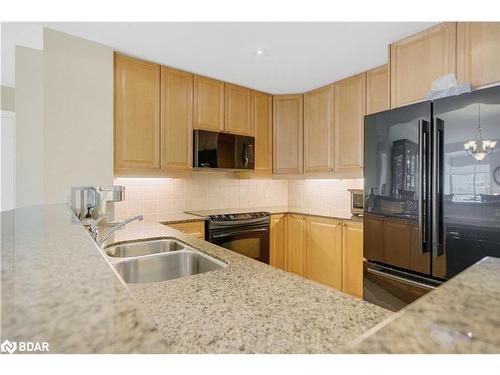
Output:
x=259 y=52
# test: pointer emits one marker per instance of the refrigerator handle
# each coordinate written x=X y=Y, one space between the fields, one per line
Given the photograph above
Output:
x=423 y=196
x=437 y=188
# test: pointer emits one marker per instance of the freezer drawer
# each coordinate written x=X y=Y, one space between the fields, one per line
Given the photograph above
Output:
x=392 y=289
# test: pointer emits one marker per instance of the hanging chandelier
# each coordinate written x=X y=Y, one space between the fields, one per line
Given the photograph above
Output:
x=480 y=147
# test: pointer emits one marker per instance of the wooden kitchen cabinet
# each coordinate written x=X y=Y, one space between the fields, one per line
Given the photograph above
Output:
x=418 y=60
x=137 y=116
x=208 y=104
x=295 y=252
x=352 y=258
x=262 y=115
x=324 y=251
x=176 y=119
x=478 y=53
x=350 y=109
x=377 y=89
x=277 y=241
x=319 y=130
x=193 y=228
x=238 y=110
x=288 y=136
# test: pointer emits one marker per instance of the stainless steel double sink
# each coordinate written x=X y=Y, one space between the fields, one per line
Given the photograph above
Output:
x=159 y=260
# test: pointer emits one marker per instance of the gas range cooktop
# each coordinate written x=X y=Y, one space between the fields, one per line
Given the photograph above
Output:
x=235 y=217
x=229 y=214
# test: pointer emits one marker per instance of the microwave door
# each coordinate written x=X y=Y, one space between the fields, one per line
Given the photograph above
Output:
x=396 y=189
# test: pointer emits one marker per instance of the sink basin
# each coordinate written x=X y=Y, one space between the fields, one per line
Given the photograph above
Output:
x=136 y=249
x=166 y=266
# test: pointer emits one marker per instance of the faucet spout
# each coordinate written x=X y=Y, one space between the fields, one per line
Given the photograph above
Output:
x=118 y=226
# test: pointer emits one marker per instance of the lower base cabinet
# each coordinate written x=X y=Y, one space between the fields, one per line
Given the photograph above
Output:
x=328 y=251
x=295 y=245
x=193 y=228
x=324 y=251
x=277 y=241
x=352 y=258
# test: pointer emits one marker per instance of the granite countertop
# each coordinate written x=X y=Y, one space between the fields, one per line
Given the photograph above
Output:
x=58 y=287
x=461 y=316
x=247 y=307
x=179 y=217
x=274 y=210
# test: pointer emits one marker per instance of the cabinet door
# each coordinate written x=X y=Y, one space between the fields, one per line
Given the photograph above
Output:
x=277 y=241
x=208 y=104
x=295 y=254
x=324 y=251
x=377 y=89
x=318 y=130
x=478 y=49
x=262 y=117
x=288 y=136
x=176 y=119
x=137 y=116
x=418 y=60
x=352 y=258
x=238 y=110
x=193 y=228
x=350 y=110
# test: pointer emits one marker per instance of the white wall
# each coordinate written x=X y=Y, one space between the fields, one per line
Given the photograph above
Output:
x=7 y=160
x=78 y=116
x=29 y=126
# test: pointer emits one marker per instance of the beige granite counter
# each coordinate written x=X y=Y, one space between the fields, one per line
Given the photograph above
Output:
x=56 y=286
x=274 y=210
x=461 y=316
x=248 y=306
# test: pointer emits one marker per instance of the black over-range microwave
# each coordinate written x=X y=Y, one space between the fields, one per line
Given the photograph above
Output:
x=222 y=150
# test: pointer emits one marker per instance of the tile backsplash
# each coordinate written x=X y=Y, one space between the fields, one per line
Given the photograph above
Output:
x=322 y=197
x=206 y=190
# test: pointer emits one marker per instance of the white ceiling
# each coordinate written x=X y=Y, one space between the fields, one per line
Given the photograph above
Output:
x=299 y=56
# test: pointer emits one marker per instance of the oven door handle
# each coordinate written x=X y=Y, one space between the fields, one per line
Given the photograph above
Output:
x=226 y=234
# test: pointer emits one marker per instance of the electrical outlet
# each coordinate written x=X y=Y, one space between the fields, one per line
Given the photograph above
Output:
x=266 y=194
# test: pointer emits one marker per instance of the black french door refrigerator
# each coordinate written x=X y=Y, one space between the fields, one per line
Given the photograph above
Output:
x=432 y=194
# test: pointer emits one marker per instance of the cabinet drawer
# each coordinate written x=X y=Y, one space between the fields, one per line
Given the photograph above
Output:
x=193 y=228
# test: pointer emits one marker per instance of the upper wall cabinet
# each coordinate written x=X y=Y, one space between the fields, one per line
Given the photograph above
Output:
x=262 y=115
x=478 y=53
x=377 y=90
x=318 y=130
x=418 y=60
x=208 y=104
x=288 y=134
x=176 y=119
x=137 y=116
x=350 y=109
x=238 y=110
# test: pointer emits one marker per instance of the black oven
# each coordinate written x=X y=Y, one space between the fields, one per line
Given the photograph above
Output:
x=246 y=234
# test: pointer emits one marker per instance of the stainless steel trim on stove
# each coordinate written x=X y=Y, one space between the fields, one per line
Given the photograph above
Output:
x=232 y=233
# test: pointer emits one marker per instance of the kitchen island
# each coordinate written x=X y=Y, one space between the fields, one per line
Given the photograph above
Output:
x=59 y=287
